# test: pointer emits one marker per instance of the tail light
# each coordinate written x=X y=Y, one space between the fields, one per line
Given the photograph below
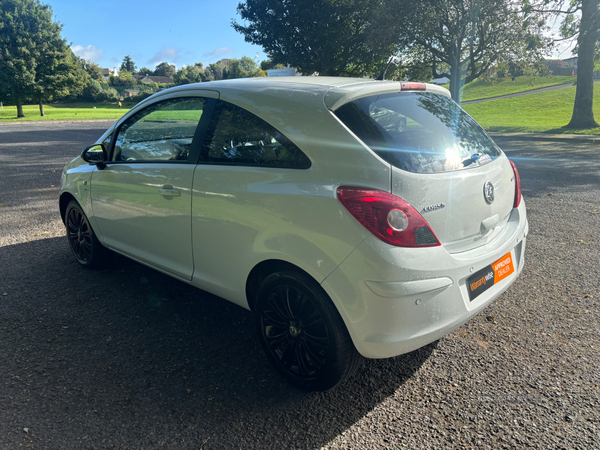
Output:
x=408 y=86
x=388 y=217
x=518 y=194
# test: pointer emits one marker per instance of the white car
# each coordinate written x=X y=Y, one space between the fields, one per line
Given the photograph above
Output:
x=353 y=217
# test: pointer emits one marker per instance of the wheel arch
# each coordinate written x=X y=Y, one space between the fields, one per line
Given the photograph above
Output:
x=263 y=270
x=64 y=200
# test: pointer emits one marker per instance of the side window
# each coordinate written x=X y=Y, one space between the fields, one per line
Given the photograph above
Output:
x=160 y=132
x=239 y=137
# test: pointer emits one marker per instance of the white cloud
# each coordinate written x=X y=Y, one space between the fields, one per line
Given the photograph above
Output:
x=168 y=54
x=90 y=52
x=218 y=52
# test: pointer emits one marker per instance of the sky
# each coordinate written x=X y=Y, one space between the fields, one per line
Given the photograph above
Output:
x=180 y=32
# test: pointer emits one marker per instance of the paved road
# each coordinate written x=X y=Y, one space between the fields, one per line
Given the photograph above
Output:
x=129 y=358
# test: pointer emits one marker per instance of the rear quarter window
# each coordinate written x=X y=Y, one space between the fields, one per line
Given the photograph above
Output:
x=419 y=132
x=238 y=137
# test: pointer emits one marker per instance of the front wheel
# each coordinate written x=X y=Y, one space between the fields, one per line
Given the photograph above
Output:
x=302 y=332
x=86 y=248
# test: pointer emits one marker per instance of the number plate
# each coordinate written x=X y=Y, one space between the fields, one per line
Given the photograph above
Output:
x=484 y=279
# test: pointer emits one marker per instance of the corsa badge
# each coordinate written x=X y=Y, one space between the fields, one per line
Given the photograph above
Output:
x=488 y=192
x=434 y=207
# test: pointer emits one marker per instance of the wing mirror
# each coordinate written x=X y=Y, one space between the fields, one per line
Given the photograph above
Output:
x=95 y=154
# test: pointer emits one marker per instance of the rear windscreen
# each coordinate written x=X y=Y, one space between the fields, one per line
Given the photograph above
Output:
x=419 y=132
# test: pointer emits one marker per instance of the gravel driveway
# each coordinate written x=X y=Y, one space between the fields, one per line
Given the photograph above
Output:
x=129 y=358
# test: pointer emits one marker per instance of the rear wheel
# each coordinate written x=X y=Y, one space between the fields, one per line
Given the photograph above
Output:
x=302 y=333
x=83 y=241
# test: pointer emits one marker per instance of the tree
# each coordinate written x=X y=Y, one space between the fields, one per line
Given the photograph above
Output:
x=128 y=65
x=31 y=50
x=145 y=71
x=409 y=69
x=92 y=90
x=269 y=65
x=124 y=79
x=108 y=95
x=462 y=39
x=581 y=20
x=243 y=68
x=330 y=37
x=227 y=68
x=58 y=74
x=218 y=70
x=91 y=68
x=587 y=42
x=165 y=69
x=190 y=74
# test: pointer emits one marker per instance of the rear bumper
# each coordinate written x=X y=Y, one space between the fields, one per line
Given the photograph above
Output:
x=395 y=300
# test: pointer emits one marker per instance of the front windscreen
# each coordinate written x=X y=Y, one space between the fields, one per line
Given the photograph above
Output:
x=419 y=132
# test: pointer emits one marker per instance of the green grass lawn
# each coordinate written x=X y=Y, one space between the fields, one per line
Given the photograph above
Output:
x=64 y=111
x=494 y=88
x=541 y=112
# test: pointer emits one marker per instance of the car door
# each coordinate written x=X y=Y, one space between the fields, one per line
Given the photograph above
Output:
x=248 y=188
x=141 y=200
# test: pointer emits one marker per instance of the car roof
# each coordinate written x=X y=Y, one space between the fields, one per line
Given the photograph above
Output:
x=298 y=80
x=335 y=91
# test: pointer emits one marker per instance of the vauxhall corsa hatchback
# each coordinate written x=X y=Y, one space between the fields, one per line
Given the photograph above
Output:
x=355 y=218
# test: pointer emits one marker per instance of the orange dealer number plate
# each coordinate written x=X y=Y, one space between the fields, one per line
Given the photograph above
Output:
x=484 y=279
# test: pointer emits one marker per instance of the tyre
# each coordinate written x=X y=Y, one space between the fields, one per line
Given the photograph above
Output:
x=83 y=241
x=302 y=332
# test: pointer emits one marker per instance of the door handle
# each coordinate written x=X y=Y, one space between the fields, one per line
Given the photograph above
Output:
x=169 y=191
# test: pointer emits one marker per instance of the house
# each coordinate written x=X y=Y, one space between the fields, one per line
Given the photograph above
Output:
x=567 y=67
x=129 y=93
x=153 y=79
x=106 y=73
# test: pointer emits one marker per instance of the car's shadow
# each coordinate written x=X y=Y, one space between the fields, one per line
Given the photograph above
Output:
x=128 y=357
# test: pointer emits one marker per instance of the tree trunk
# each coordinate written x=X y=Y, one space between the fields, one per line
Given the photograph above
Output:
x=41 y=108
x=455 y=80
x=19 y=109
x=583 y=110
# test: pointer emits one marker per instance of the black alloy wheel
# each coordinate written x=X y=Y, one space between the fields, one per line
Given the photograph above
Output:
x=83 y=242
x=302 y=333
